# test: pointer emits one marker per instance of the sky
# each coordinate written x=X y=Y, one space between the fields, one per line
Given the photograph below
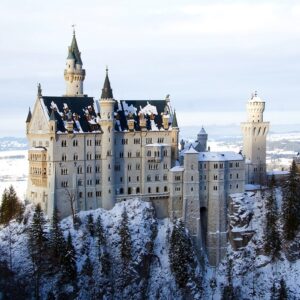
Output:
x=210 y=56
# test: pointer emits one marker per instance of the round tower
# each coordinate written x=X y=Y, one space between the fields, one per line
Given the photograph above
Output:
x=255 y=132
x=74 y=74
x=255 y=109
x=202 y=140
x=107 y=124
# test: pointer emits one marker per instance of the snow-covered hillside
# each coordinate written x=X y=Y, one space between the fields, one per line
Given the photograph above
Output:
x=253 y=274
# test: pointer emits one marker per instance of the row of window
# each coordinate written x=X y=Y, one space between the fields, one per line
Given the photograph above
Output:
x=121 y=191
x=219 y=165
x=89 y=142
x=157 y=153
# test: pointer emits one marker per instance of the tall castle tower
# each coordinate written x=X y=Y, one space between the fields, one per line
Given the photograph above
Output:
x=74 y=74
x=107 y=124
x=255 y=132
x=201 y=145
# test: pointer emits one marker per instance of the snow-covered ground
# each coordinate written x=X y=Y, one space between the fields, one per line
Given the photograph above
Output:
x=14 y=171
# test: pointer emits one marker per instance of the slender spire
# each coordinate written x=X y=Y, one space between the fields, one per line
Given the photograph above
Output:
x=39 y=93
x=174 y=121
x=107 y=91
x=74 y=50
x=29 y=116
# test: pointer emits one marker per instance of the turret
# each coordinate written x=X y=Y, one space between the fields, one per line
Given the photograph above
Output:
x=254 y=145
x=201 y=141
x=175 y=137
x=52 y=124
x=74 y=74
x=107 y=124
x=28 y=119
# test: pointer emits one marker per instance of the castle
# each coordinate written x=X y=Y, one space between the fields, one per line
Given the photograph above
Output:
x=86 y=153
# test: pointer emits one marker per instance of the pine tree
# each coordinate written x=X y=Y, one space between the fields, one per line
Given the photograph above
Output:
x=180 y=254
x=272 y=244
x=11 y=207
x=38 y=246
x=57 y=245
x=282 y=293
x=69 y=261
x=126 y=244
x=90 y=224
x=100 y=235
x=273 y=292
x=291 y=204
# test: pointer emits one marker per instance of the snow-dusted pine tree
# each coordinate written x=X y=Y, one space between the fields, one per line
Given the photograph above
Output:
x=291 y=204
x=90 y=224
x=272 y=244
x=181 y=256
x=38 y=247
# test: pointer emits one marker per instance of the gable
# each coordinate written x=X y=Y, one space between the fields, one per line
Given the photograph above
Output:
x=39 y=121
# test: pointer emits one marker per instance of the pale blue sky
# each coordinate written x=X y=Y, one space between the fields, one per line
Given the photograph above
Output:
x=208 y=55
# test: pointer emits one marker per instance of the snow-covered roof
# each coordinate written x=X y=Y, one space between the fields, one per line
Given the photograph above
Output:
x=191 y=151
x=79 y=110
x=157 y=145
x=220 y=156
x=177 y=169
x=85 y=114
x=202 y=131
x=277 y=172
x=150 y=111
x=256 y=99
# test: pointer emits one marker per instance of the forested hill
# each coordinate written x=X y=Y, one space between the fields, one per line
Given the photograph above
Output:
x=126 y=253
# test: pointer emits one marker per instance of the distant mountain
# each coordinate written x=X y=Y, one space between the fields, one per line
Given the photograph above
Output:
x=9 y=143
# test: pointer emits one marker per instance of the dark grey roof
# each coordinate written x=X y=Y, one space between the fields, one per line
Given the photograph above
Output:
x=80 y=110
x=122 y=113
x=75 y=51
x=107 y=91
x=29 y=116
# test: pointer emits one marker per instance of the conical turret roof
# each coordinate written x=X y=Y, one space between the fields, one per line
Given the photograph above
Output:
x=202 y=131
x=74 y=51
x=174 y=121
x=107 y=91
x=29 y=116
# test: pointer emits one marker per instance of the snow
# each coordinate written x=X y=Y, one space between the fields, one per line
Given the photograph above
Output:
x=191 y=151
x=13 y=171
x=55 y=107
x=148 y=109
x=255 y=98
x=177 y=169
x=128 y=109
x=220 y=156
x=156 y=145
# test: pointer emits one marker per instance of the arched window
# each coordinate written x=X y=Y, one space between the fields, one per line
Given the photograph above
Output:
x=137 y=190
x=157 y=189
x=121 y=191
x=75 y=157
x=165 y=189
x=149 y=190
x=64 y=157
x=129 y=190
